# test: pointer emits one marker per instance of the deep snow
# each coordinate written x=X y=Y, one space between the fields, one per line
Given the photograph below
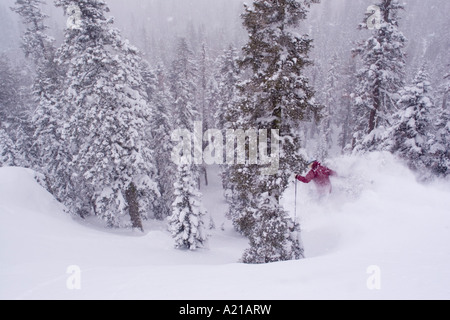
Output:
x=378 y=216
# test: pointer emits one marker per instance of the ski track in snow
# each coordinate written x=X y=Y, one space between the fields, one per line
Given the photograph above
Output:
x=377 y=216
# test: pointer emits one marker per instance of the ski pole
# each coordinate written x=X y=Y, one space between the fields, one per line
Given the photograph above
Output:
x=295 y=202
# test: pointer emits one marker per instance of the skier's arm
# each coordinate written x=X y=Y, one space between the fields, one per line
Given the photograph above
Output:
x=309 y=177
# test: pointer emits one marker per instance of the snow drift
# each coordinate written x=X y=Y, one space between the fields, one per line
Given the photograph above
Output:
x=379 y=227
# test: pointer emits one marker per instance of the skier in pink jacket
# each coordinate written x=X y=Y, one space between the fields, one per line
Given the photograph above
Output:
x=321 y=177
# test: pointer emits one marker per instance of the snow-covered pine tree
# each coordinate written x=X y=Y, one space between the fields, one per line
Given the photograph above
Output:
x=440 y=148
x=183 y=81
x=106 y=115
x=10 y=113
x=187 y=221
x=51 y=155
x=38 y=137
x=38 y=45
x=345 y=117
x=411 y=133
x=227 y=77
x=328 y=114
x=8 y=92
x=205 y=94
x=157 y=138
x=235 y=178
x=275 y=237
x=204 y=79
x=162 y=145
x=8 y=154
x=446 y=91
x=276 y=97
x=228 y=74
x=212 y=99
x=150 y=79
x=241 y=198
x=381 y=76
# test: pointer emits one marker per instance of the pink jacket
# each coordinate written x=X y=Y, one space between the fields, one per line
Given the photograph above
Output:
x=321 y=177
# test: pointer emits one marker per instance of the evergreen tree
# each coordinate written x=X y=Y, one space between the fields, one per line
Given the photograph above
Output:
x=187 y=221
x=236 y=177
x=345 y=117
x=9 y=92
x=183 y=80
x=12 y=115
x=228 y=77
x=38 y=46
x=446 y=91
x=328 y=114
x=161 y=128
x=39 y=135
x=212 y=97
x=275 y=238
x=410 y=135
x=242 y=202
x=9 y=156
x=205 y=86
x=150 y=80
x=51 y=154
x=104 y=104
x=276 y=97
x=212 y=103
x=439 y=151
x=382 y=74
x=441 y=143
x=206 y=92
x=228 y=74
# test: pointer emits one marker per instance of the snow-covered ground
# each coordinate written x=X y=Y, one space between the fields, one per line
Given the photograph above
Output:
x=381 y=235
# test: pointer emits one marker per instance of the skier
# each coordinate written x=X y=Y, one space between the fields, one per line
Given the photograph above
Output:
x=320 y=175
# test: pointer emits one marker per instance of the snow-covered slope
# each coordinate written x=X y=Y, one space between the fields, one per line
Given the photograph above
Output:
x=379 y=219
